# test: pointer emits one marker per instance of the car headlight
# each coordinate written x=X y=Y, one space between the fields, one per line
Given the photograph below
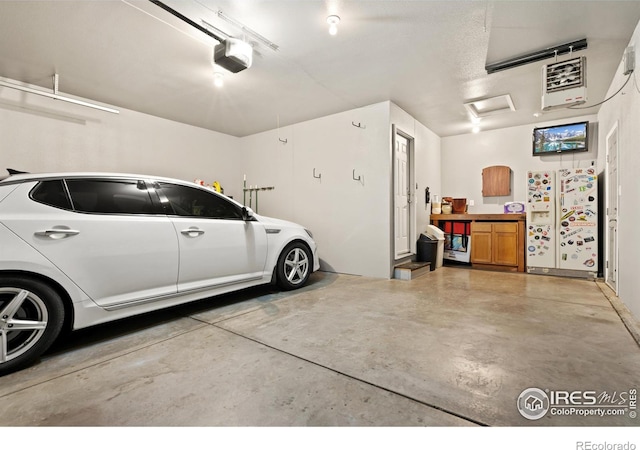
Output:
x=309 y=233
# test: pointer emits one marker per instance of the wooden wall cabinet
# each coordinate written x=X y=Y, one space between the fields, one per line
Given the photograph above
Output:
x=495 y=244
x=496 y=181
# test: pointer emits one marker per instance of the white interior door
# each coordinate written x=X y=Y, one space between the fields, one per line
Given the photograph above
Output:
x=611 y=273
x=402 y=196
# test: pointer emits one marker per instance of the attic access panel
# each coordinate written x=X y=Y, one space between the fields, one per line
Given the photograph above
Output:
x=490 y=106
x=496 y=181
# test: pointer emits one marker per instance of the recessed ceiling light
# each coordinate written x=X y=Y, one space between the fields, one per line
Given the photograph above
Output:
x=333 y=22
x=218 y=79
x=475 y=130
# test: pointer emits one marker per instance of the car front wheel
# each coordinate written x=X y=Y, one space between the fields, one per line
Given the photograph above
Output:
x=31 y=317
x=294 y=266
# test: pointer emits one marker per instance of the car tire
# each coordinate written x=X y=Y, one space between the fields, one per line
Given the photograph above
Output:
x=294 y=266
x=31 y=318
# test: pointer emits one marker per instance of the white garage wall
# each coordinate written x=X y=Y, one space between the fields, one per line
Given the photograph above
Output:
x=625 y=110
x=39 y=134
x=464 y=157
x=267 y=162
x=349 y=219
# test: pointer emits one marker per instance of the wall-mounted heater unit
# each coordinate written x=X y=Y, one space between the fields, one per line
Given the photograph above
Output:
x=564 y=84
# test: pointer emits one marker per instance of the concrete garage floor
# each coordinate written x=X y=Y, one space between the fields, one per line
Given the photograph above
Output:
x=455 y=347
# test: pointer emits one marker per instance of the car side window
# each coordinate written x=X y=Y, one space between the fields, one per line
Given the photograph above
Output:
x=52 y=193
x=194 y=202
x=110 y=196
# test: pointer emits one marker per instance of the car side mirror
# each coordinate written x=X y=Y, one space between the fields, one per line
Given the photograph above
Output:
x=247 y=213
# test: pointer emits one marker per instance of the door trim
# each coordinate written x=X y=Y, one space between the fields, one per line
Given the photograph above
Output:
x=412 y=205
x=607 y=241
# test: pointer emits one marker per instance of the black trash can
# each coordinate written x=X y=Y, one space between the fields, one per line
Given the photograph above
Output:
x=427 y=250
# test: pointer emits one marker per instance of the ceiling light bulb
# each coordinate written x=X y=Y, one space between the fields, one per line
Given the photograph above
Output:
x=333 y=22
x=218 y=79
x=475 y=130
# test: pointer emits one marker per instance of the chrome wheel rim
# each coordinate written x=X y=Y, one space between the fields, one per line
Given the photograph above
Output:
x=296 y=266
x=23 y=320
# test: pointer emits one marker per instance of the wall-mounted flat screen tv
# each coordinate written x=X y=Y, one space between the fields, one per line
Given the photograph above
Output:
x=572 y=137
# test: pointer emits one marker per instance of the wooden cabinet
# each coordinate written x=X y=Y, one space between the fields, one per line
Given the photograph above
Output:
x=497 y=240
x=496 y=181
x=496 y=244
x=505 y=241
x=481 y=243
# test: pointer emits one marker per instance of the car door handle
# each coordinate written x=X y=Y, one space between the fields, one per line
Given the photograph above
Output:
x=192 y=232
x=57 y=233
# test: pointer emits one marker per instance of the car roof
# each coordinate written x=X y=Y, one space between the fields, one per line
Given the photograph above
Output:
x=26 y=177
x=22 y=177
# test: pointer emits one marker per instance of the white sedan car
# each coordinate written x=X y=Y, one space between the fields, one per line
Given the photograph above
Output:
x=79 y=249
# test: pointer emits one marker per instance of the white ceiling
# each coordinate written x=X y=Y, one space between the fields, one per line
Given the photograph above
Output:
x=428 y=57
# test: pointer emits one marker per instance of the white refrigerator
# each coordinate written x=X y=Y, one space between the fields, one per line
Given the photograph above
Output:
x=541 y=213
x=562 y=222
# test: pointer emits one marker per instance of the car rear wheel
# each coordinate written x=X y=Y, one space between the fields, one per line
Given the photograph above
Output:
x=294 y=266
x=31 y=317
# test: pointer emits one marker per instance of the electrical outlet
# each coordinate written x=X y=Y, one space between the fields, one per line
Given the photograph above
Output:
x=471 y=203
x=629 y=60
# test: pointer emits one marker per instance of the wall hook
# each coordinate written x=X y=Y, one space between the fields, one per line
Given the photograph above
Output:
x=358 y=125
x=316 y=176
x=284 y=141
x=353 y=175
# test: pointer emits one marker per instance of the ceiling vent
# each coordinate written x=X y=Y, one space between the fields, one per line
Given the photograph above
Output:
x=564 y=84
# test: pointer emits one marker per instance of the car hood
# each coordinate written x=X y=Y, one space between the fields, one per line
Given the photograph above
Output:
x=272 y=222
